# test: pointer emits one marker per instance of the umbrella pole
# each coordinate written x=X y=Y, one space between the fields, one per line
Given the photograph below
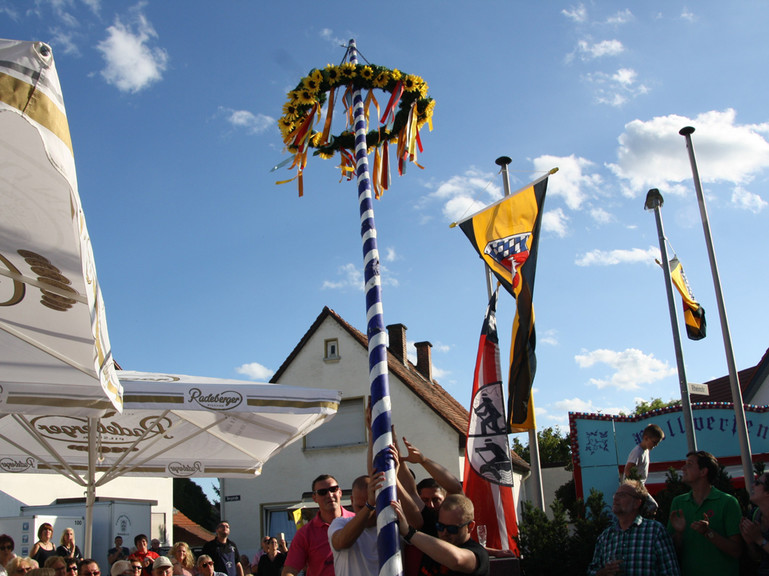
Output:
x=90 y=495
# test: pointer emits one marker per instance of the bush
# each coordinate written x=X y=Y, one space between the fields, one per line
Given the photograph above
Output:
x=547 y=546
x=540 y=540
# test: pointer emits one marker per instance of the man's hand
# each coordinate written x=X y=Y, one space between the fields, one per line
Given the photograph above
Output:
x=414 y=455
x=403 y=525
x=677 y=520
x=751 y=531
x=374 y=485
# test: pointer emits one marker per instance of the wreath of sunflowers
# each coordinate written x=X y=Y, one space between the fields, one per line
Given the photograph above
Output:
x=408 y=109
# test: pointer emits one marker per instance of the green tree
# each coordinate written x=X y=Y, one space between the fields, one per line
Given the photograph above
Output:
x=554 y=447
x=191 y=501
x=643 y=406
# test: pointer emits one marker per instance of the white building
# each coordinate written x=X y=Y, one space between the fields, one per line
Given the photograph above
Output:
x=333 y=354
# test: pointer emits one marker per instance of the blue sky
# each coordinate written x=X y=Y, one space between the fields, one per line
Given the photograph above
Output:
x=208 y=268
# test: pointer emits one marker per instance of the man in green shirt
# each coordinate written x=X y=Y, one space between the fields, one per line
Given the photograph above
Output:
x=705 y=522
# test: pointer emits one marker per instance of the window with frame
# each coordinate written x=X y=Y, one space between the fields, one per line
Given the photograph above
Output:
x=331 y=350
x=347 y=428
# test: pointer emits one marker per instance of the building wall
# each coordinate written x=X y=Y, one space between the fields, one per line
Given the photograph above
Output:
x=44 y=489
x=286 y=476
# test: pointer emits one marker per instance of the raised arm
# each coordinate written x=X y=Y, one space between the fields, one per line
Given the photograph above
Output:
x=446 y=479
x=452 y=557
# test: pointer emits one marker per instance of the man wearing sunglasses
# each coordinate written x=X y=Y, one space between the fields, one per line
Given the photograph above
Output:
x=205 y=565
x=453 y=552
x=310 y=549
x=705 y=522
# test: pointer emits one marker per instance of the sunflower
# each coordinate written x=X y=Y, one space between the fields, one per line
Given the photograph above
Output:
x=313 y=81
x=286 y=126
x=332 y=74
x=315 y=139
x=411 y=83
x=348 y=71
x=427 y=114
x=396 y=74
x=366 y=73
x=290 y=111
x=382 y=79
x=305 y=97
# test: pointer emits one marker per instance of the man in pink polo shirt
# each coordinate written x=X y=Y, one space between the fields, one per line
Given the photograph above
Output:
x=310 y=549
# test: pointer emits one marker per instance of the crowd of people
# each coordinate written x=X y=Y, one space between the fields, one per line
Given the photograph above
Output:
x=705 y=533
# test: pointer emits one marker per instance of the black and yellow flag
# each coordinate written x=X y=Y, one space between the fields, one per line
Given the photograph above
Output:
x=694 y=314
x=506 y=236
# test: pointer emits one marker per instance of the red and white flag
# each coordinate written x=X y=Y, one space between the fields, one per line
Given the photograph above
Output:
x=488 y=477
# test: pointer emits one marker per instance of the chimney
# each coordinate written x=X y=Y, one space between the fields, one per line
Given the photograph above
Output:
x=424 y=360
x=396 y=334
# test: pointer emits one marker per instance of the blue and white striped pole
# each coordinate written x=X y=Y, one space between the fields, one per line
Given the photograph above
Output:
x=387 y=529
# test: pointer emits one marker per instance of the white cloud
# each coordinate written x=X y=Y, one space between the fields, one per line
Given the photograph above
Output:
x=255 y=371
x=616 y=89
x=688 y=15
x=572 y=182
x=630 y=368
x=328 y=35
x=131 y=63
x=591 y=50
x=351 y=276
x=63 y=41
x=549 y=337
x=466 y=194
x=614 y=257
x=252 y=123
x=390 y=255
x=748 y=200
x=576 y=13
x=579 y=405
x=652 y=154
x=600 y=215
x=555 y=221
x=621 y=17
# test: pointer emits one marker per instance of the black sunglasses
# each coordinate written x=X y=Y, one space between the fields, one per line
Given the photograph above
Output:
x=763 y=481
x=452 y=529
x=324 y=491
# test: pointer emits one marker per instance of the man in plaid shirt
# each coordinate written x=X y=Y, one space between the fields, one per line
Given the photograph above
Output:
x=633 y=545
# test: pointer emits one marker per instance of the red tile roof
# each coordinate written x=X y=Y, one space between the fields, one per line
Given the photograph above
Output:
x=185 y=530
x=720 y=389
x=430 y=392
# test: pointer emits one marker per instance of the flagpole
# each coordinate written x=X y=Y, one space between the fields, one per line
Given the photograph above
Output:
x=507 y=192
x=388 y=538
x=739 y=409
x=536 y=467
x=654 y=202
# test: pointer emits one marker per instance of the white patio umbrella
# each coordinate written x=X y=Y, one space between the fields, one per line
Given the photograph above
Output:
x=171 y=426
x=54 y=346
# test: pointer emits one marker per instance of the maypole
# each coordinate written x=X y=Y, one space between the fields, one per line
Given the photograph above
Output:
x=381 y=423
x=407 y=110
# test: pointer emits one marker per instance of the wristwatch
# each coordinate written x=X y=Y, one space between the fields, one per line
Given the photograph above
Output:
x=710 y=534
